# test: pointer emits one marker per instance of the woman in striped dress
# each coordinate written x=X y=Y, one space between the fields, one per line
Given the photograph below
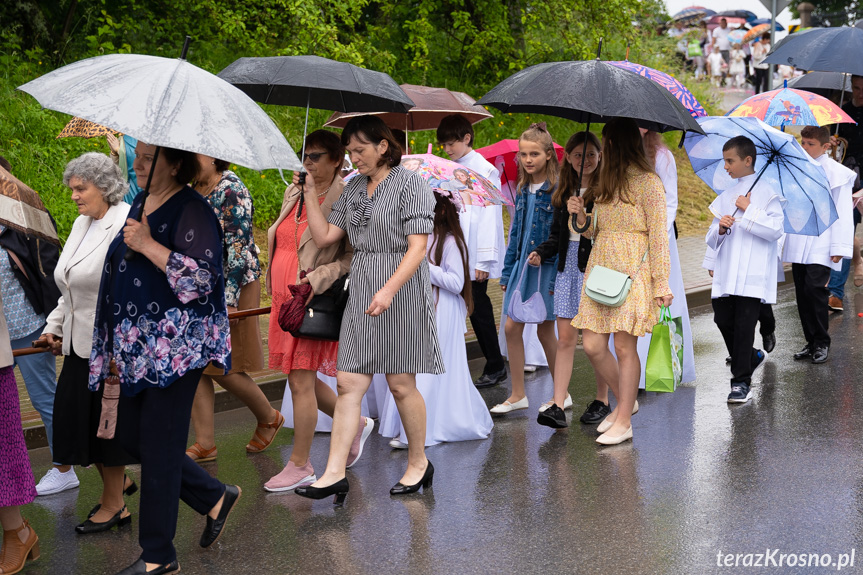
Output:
x=389 y=324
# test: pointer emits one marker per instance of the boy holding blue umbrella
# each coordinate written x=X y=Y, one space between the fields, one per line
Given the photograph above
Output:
x=744 y=234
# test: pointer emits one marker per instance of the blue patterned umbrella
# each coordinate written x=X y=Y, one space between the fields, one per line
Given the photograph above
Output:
x=780 y=162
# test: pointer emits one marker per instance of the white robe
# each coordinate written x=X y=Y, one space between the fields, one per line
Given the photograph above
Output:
x=666 y=169
x=455 y=411
x=483 y=226
x=838 y=239
x=746 y=258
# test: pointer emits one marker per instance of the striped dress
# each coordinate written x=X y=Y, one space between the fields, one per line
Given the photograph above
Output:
x=403 y=339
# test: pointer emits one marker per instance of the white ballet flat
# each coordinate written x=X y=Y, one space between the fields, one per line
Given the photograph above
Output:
x=606 y=424
x=506 y=406
x=396 y=444
x=605 y=439
x=635 y=407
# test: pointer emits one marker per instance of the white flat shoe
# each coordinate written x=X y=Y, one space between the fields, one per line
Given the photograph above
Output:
x=567 y=403
x=605 y=439
x=635 y=407
x=529 y=368
x=604 y=426
x=506 y=406
x=396 y=444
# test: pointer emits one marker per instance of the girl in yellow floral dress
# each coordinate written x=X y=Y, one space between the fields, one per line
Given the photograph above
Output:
x=629 y=217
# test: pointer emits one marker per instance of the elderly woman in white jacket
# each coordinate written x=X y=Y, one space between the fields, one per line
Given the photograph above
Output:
x=97 y=188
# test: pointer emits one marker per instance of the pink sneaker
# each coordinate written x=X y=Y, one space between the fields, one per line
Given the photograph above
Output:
x=367 y=424
x=291 y=477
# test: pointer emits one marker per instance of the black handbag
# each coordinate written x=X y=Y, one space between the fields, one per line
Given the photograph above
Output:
x=584 y=246
x=323 y=317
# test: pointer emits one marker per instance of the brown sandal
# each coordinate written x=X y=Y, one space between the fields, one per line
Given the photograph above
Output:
x=259 y=442
x=16 y=554
x=198 y=454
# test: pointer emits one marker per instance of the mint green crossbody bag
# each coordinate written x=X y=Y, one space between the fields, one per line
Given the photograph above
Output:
x=607 y=286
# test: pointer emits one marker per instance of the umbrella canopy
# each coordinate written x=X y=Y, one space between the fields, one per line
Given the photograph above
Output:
x=167 y=102
x=316 y=82
x=692 y=14
x=821 y=81
x=742 y=14
x=590 y=91
x=737 y=36
x=780 y=161
x=463 y=185
x=668 y=82
x=762 y=21
x=81 y=128
x=21 y=209
x=432 y=105
x=790 y=107
x=822 y=50
x=756 y=32
x=502 y=156
x=713 y=21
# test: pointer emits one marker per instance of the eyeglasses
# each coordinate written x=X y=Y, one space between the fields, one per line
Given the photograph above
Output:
x=314 y=156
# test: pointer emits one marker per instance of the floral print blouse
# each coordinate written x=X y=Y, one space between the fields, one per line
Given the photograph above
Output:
x=163 y=324
x=232 y=203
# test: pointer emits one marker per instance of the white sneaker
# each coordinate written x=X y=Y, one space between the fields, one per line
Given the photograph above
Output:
x=567 y=403
x=506 y=406
x=54 y=482
x=396 y=444
x=529 y=368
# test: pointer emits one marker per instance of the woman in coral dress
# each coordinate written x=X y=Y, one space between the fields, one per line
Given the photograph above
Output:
x=629 y=235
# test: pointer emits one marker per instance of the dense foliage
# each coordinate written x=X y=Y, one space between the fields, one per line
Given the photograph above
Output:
x=467 y=45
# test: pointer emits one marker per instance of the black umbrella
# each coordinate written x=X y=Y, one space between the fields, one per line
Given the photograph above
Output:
x=821 y=82
x=315 y=82
x=745 y=14
x=591 y=91
x=822 y=50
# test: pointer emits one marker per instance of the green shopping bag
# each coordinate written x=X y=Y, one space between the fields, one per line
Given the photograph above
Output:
x=664 y=370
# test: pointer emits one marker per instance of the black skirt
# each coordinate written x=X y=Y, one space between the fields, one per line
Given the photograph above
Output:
x=76 y=420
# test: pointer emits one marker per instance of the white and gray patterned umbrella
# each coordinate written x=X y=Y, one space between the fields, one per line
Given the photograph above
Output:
x=167 y=102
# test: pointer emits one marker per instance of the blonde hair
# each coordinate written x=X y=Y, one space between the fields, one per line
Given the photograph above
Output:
x=538 y=134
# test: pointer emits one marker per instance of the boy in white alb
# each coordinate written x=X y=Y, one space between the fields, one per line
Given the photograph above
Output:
x=744 y=234
x=812 y=257
x=483 y=232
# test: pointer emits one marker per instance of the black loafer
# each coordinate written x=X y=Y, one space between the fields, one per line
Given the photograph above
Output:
x=214 y=527
x=820 y=354
x=768 y=342
x=804 y=353
x=139 y=567
x=489 y=379
x=552 y=417
x=596 y=411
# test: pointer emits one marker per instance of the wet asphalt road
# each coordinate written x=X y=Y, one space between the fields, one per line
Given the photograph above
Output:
x=780 y=474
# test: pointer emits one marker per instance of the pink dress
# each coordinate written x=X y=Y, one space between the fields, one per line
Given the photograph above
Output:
x=287 y=352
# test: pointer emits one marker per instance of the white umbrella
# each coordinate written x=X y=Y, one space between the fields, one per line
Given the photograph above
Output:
x=167 y=102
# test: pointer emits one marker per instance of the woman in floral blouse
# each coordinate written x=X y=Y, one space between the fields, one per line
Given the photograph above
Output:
x=161 y=317
x=232 y=204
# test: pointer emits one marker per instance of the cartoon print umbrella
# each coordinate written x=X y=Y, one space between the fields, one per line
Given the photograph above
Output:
x=780 y=161
x=790 y=107
x=463 y=185
x=737 y=36
x=502 y=156
x=668 y=82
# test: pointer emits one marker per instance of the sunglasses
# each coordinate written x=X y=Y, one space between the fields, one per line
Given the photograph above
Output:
x=314 y=156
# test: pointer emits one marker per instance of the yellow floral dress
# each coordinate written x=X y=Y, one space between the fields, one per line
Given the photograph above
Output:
x=623 y=233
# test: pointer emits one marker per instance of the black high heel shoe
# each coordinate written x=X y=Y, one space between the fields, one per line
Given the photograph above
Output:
x=131 y=490
x=425 y=482
x=90 y=527
x=339 y=489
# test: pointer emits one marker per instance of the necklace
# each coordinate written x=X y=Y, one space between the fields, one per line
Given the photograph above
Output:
x=298 y=208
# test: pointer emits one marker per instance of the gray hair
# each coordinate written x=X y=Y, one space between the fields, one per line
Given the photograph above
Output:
x=100 y=171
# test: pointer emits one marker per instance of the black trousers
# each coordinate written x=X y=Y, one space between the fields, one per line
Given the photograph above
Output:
x=482 y=320
x=810 y=286
x=761 y=77
x=766 y=320
x=153 y=428
x=736 y=317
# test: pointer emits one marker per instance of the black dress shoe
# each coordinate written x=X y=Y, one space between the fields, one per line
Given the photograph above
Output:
x=131 y=490
x=820 y=354
x=92 y=527
x=139 y=567
x=804 y=353
x=552 y=417
x=340 y=489
x=425 y=482
x=215 y=526
x=768 y=342
x=596 y=411
x=489 y=379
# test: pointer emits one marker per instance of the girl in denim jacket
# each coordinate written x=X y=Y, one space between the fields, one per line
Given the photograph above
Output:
x=538 y=171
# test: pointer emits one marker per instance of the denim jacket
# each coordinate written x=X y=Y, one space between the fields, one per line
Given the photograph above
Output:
x=538 y=227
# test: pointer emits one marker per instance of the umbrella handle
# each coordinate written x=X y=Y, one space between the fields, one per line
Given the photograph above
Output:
x=572 y=218
x=130 y=253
